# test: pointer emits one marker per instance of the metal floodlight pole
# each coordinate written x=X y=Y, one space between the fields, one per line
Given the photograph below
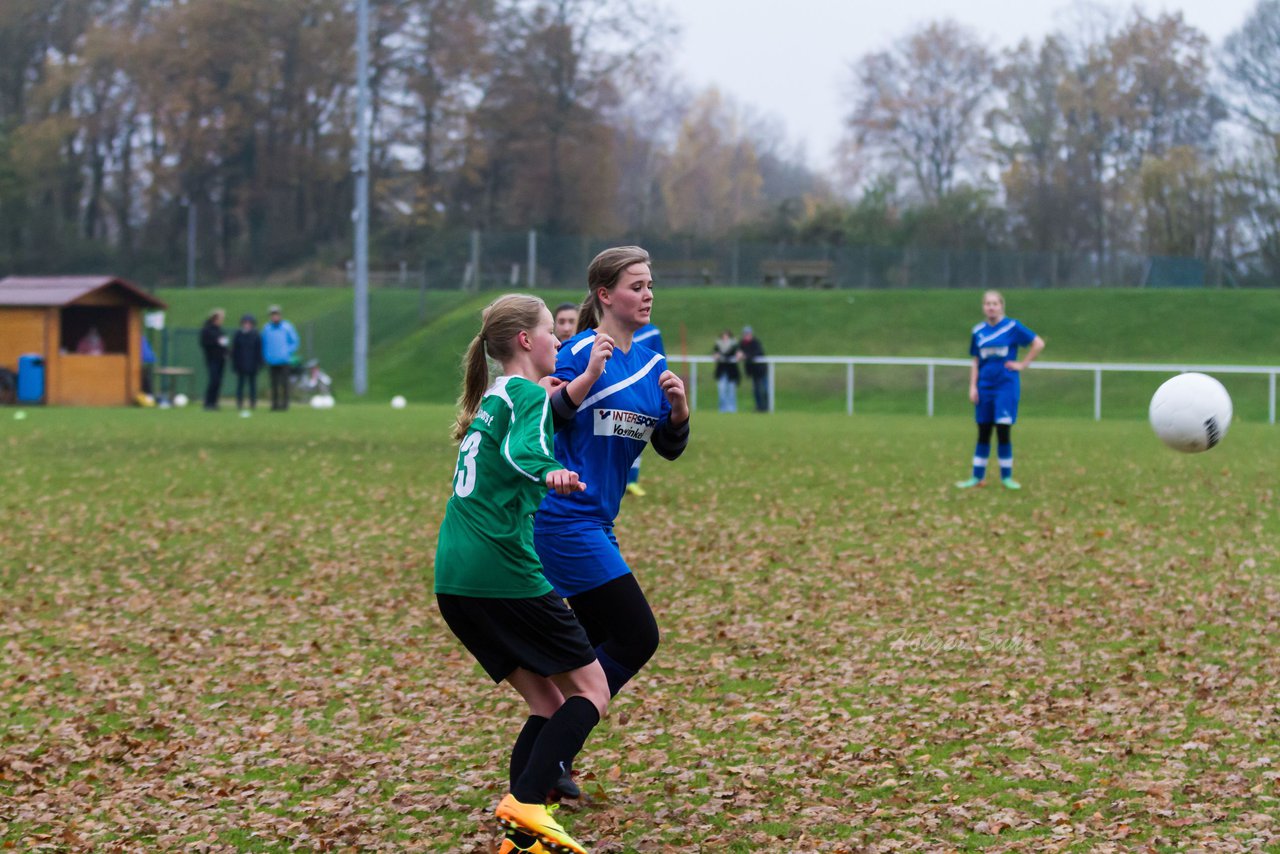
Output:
x=360 y=372
x=190 y=205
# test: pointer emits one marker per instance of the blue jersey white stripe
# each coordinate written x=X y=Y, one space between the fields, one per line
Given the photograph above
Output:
x=612 y=426
x=582 y=342
x=993 y=345
x=629 y=381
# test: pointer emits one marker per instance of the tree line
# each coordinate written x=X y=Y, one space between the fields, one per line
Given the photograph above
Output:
x=124 y=122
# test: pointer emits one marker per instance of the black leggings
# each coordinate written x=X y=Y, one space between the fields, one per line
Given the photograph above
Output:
x=618 y=619
x=1002 y=433
x=246 y=380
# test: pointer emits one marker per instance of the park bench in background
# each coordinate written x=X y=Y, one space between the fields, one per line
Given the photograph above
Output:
x=685 y=272
x=813 y=273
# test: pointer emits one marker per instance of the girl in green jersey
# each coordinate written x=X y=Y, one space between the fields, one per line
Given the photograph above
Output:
x=488 y=581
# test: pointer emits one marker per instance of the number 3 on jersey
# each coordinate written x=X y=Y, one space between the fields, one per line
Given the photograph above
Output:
x=464 y=483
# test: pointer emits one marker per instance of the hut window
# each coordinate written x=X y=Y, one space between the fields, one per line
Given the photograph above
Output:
x=111 y=322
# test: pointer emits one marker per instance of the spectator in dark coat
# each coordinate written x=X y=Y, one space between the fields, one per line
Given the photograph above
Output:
x=752 y=354
x=246 y=360
x=214 y=343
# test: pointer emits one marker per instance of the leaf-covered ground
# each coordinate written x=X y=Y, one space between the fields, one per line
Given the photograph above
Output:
x=218 y=635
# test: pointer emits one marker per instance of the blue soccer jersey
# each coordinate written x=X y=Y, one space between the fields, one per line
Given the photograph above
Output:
x=612 y=426
x=995 y=345
x=651 y=337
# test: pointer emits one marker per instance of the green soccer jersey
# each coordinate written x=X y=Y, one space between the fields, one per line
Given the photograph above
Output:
x=486 y=540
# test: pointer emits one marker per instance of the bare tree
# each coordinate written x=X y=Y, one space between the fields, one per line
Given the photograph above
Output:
x=919 y=104
x=1251 y=61
x=544 y=132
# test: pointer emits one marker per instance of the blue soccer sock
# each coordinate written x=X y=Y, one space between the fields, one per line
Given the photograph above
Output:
x=617 y=674
x=981 y=455
x=1004 y=451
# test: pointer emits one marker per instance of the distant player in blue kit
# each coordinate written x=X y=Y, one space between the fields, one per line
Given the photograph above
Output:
x=995 y=386
x=651 y=337
x=636 y=402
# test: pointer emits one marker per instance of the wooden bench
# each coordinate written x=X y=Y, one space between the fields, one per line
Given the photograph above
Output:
x=689 y=272
x=168 y=379
x=815 y=273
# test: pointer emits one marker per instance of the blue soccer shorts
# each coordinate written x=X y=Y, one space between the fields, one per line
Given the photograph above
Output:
x=997 y=405
x=578 y=556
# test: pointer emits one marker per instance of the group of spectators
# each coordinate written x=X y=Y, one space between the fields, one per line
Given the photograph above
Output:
x=749 y=352
x=275 y=346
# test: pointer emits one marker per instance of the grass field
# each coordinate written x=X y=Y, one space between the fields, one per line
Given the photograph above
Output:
x=218 y=635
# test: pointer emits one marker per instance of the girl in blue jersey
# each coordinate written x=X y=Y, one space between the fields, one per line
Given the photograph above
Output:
x=651 y=337
x=636 y=402
x=995 y=385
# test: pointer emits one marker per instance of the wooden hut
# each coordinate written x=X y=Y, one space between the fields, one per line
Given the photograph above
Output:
x=56 y=317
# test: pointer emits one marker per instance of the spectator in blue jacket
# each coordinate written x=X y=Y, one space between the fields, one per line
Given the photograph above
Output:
x=279 y=344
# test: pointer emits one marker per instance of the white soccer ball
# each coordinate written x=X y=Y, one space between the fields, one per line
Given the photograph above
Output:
x=328 y=401
x=398 y=402
x=180 y=400
x=1191 y=412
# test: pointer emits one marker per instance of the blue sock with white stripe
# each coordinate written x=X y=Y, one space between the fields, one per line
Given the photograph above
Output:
x=981 y=455
x=1005 y=453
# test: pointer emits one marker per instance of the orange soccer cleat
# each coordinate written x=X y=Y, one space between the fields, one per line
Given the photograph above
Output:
x=536 y=820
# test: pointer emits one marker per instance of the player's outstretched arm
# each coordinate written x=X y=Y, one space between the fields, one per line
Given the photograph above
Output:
x=527 y=447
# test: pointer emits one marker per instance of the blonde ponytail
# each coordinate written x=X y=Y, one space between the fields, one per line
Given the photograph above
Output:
x=475 y=379
x=500 y=322
x=589 y=312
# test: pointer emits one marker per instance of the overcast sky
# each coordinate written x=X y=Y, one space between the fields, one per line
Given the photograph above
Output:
x=790 y=59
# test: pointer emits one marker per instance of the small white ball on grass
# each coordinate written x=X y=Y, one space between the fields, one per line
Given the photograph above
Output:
x=180 y=400
x=398 y=402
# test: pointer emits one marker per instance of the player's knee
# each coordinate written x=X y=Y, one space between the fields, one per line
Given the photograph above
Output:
x=643 y=645
x=593 y=686
x=599 y=697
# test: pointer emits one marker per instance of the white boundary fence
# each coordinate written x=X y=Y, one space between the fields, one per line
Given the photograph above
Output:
x=1097 y=368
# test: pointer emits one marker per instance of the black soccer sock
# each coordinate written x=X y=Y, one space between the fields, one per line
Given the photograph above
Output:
x=554 y=749
x=524 y=746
